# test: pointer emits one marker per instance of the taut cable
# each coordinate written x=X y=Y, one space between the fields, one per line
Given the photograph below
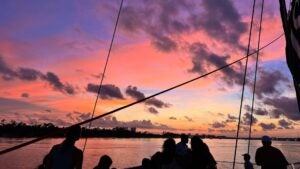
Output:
x=243 y=89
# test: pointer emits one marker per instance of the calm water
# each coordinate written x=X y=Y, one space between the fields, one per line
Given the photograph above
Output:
x=130 y=152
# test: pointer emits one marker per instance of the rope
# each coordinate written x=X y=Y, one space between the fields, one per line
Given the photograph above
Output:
x=131 y=104
x=256 y=66
x=244 y=83
x=104 y=70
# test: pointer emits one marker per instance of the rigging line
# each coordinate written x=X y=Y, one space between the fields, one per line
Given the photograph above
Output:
x=104 y=70
x=244 y=83
x=256 y=67
x=131 y=104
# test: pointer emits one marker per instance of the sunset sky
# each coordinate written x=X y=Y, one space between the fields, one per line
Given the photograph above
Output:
x=52 y=55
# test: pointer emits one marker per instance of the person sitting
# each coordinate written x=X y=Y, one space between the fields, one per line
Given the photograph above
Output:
x=42 y=166
x=66 y=155
x=166 y=158
x=181 y=147
x=146 y=163
x=269 y=157
x=182 y=151
x=104 y=162
x=247 y=164
x=156 y=160
x=169 y=149
x=201 y=158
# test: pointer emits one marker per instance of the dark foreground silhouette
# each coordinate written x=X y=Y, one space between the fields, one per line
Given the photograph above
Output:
x=247 y=164
x=104 y=162
x=172 y=156
x=201 y=156
x=65 y=155
x=269 y=157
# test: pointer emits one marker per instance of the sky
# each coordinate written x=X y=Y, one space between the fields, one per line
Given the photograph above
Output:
x=52 y=56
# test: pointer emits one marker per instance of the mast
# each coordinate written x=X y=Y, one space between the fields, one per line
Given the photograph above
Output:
x=292 y=39
x=283 y=13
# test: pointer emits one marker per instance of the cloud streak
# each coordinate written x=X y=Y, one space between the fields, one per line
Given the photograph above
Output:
x=29 y=74
x=152 y=110
x=246 y=119
x=202 y=59
x=55 y=82
x=267 y=84
x=134 y=93
x=108 y=91
x=188 y=118
x=218 y=125
x=222 y=21
x=267 y=126
x=258 y=111
x=285 y=124
x=283 y=106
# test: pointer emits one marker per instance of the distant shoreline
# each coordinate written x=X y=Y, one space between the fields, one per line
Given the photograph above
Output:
x=22 y=130
x=162 y=137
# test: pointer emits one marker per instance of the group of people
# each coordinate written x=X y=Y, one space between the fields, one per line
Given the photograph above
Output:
x=179 y=156
x=173 y=156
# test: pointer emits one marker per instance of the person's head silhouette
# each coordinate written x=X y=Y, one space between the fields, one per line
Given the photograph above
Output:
x=73 y=133
x=184 y=138
x=246 y=157
x=266 y=141
x=169 y=146
x=196 y=143
x=66 y=154
x=146 y=163
x=104 y=162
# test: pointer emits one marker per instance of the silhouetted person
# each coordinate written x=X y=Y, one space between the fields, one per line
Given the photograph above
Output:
x=168 y=155
x=269 y=157
x=201 y=158
x=166 y=158
x=66 y=155
x=247 y=164
x=181 y=147
x=42 y=166
x=169 y=149
x=104 y=162
x=156 y=160
x=182 y=151
x=146 y=163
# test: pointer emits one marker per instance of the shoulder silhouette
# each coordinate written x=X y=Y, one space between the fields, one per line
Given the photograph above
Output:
x=66 y=154
x=268 y=156
x=104 y=162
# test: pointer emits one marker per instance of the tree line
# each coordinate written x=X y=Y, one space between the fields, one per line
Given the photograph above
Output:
x=14 y=129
